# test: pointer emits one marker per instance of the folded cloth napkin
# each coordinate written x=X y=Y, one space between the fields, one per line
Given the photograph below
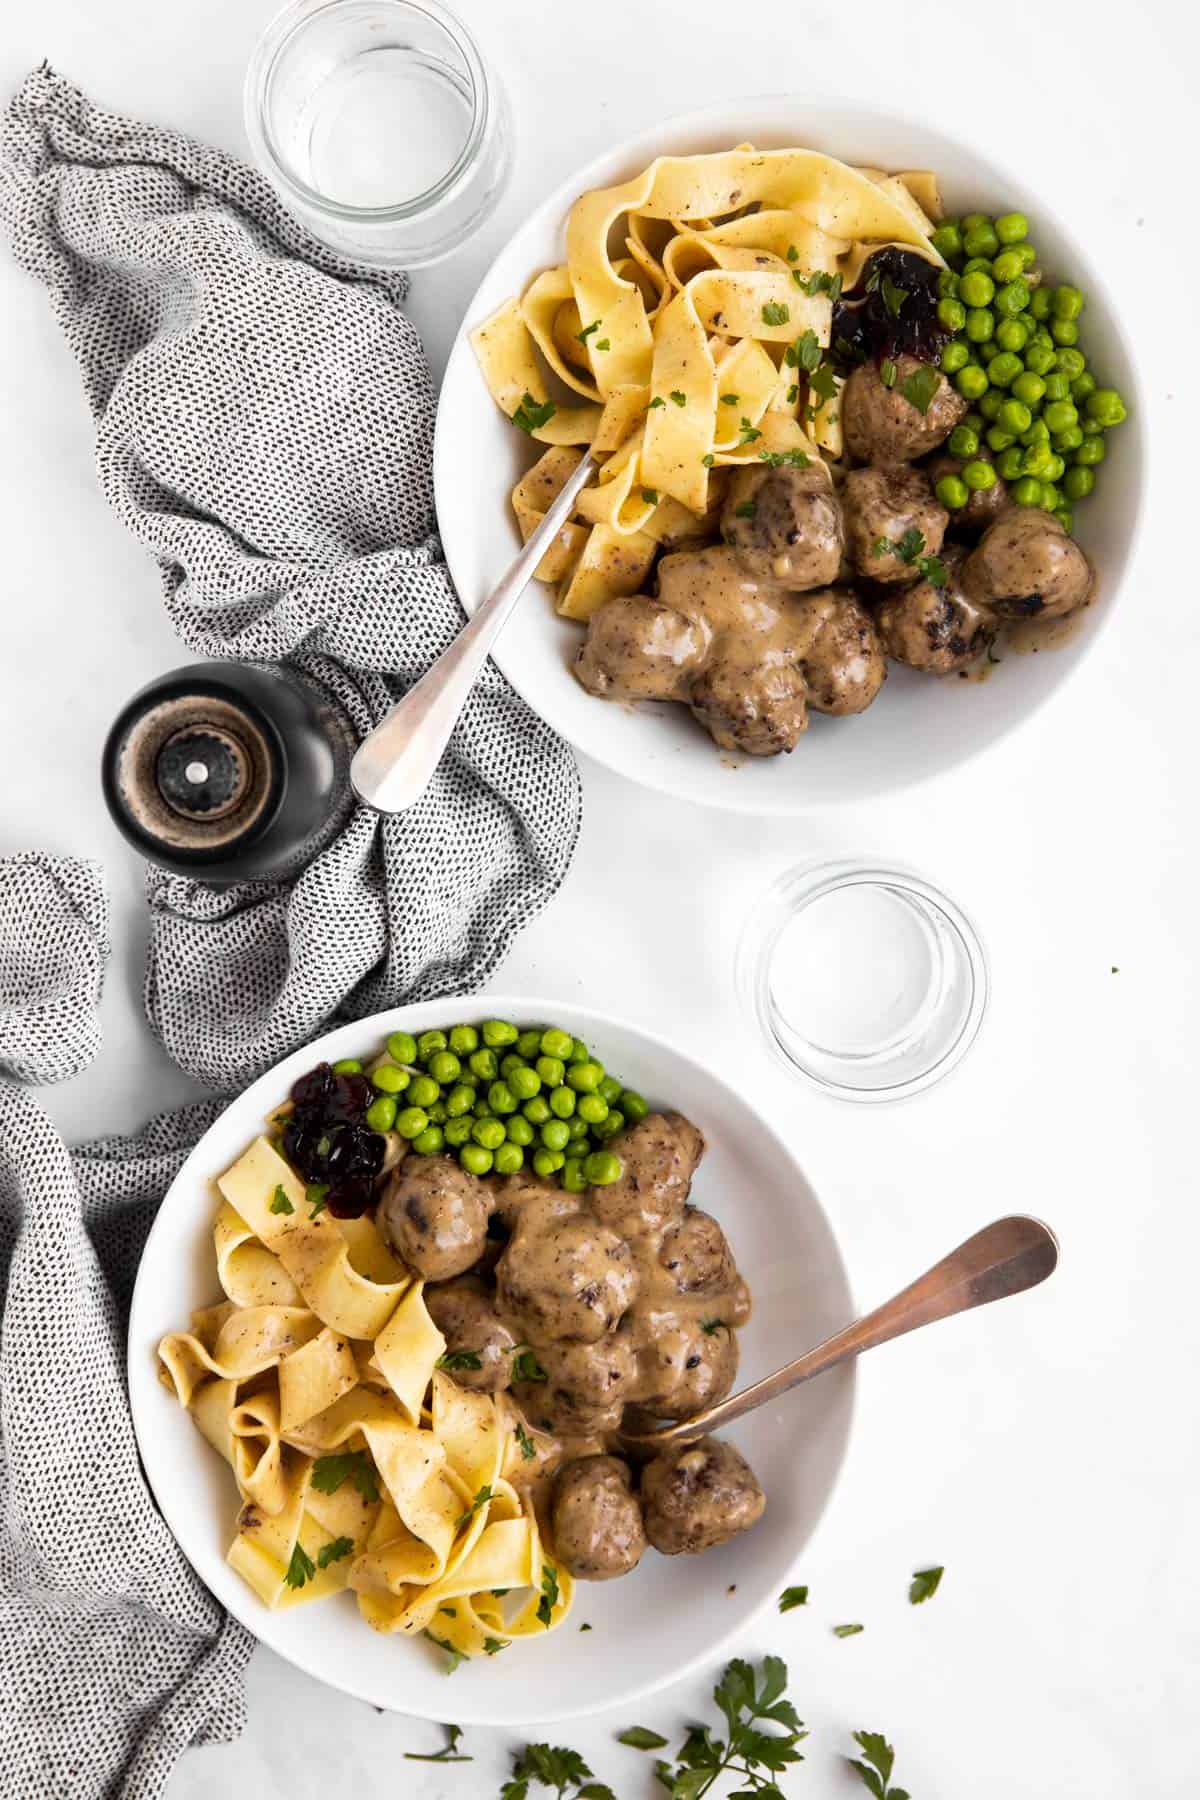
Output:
x=115 y=1657
x=265 y=426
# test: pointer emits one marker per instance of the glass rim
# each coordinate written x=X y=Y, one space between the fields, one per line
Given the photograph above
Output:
x=798 y=888
x=282 y=32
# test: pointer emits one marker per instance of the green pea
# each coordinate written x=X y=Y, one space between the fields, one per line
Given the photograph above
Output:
x=954 y=357
x=498 y=1033
x=557 y=1043
x=1027 y=254
x=402 y=1047
x=609 y=1090
x=525 y=1083
x=445 y=1067
x=555 y=1135
x=611 y=1125
x=1067 y=302
x=1008 y=464
x=1042 y=338
x=429 y=1141
x=381 y=1114
x=947 y=285
x=551 y=1070
x=1093 y=450
x=1063 y=515
x=1082 y=386
x=585 y=1077
x=971 y=382
x=1039 y=359
x=979 y=474
x=1028 y=388
x=998 y=439
x=592 y=1108
x=1064 y=331
x=1036 y=460
x=971 y=220
x=389 y=1079
x=979 y=325
x=1012 y=298
x=977 y=264
x=1040 y=303
x=501 y=1098
x=475 y=1159
x=1071 y=362
x=423 y=1091
x=976 y=289
x=1012 y=227
x=488 y=1132
x=952 y=314
x=1068 y=440
x=1078 y=483
x=537 y=1110
x=437 y=1112
x=529 y=1043
x=456 y=1131
x=463 y=1039
x=1008 y=265
x=579 y=1051
x=1106 y=407
x=1012 y=334
x=509 y=1158
x=1061 y=414
x=347 y=1065
x=1057 y=465
x=1050 y=496
x=1038 y=433
x=482 y=1109
x=1014 y=416
x=428 y=1042
x=573 y=1177
x=990 y=405
x=1027 y=492
x=547 y=1162
x=981 y=240
x=483 y=1064
x=562 y=1102
x=510 y=1062
x=1003 y=368
x=974 y=421
x=518 y=1130
x=411 y=1122
x=964 y=442
x=952 y=492
x=602 y=1168
x=947 y=240
x=459 y=1100
x=1057 y=386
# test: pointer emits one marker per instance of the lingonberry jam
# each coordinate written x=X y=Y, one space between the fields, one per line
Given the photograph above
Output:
x=891 y=311
x=327 y=1140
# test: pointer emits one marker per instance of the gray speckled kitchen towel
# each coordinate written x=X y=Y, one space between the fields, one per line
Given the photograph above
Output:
x=114 y=1656
x=265 y=426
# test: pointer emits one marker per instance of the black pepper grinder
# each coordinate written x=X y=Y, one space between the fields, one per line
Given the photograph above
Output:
x=229 y=772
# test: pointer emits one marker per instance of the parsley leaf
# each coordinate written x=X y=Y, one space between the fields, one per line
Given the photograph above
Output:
x=820 y=283
x=602 y=344
x=530 y=416
x=300 y=1569
x=793 y=394
x=909 y=544
x=708 y=460
x=448 y=1751
x=893 y=296
x=650 y=496
x=925 y=1584
x=875 y=1771
x=587 y=331
x=678 y=397
x=454 y=1657
x=657 y=401
x=482 y=1496
x=749 y=1704
x=846 y=1630
x=459 y=1359
x=710 y=1326
x=775 y=313
x=280 y=1202
x=549 y=1765
x=823 y=383
x=747 y=433
x=526 y=1366
x=329 y=1472
x=527 y=1445
x=792 y=1597
x=335 y=1551
x=730 y=399
x=793 y=255
x=888 y=372
x=920 y=387
x=315 y=1194
x=805 y=353
x=638 y=1737
x=778 y=459
x=492 y=1646
x=549 y=1599
x=934 y=570
x=746 y=510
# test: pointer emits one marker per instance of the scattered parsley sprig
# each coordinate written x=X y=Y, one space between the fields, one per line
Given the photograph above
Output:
x=924 y=1585
x=875 y=1770
x=909 y=547
x=749 y=1751
x=549 y=1765
x=329 y=1472
x=449 y=1751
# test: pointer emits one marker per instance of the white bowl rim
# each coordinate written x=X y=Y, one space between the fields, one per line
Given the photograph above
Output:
x=742 y=797
x=259 y=1095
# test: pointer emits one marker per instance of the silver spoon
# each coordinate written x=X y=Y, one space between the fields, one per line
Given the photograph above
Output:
x=395 y=763
x=1004 y=1258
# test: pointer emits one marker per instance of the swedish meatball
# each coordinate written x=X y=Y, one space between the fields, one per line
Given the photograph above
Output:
x=697 y=1495
x=882 y=425
x=760 y=708
x=937 y=629
x=984 y=505
x=687 y=1367
x=1025 y=566
x=785 y=524
x=434 y=1215
x=464 y=1313
x=880 y=507
x=596 y=1522
x=658 y=1157
x=586 y=1385
x=696 y=1255
x=839 y=651
x=566 y=1277
x=639 y=648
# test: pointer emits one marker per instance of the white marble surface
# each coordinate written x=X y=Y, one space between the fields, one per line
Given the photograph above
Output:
x=1047 y=1453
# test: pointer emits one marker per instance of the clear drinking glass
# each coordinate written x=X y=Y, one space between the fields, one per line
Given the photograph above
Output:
x=380 y=126
x=865 y=980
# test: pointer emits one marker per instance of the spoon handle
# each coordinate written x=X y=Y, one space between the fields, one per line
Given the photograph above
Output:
x=1004 y=1258
x=395 y=763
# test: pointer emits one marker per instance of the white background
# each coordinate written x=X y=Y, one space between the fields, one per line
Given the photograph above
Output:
x=1048 y=1451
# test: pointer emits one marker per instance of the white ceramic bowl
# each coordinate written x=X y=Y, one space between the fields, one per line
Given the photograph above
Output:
x=918 y=727
x=673 y=1613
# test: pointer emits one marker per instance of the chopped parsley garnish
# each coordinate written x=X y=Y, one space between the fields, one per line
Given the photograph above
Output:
x=679 y=398
x=300 y=1569
x=793 y=394
x=588 y=1627
x=551 y=1766
x=747 y=432
x=280 y=1202
x=449 y=1750
x=925 y=1584
x=587 y=331
x=876 y=1771
x=920 y=387
x=650 y=496
x=792 y=1597
x=708 y=460
x=793 y=255
x=781 y=459
x=549 y=1599
x=908 y=548
x=746 y=510
x=492 y=1646
x=823 y=383
x=846 y=1630
x=482 y=1496
x=893 y=296
x=910 y=545
x=335 y=1551
x=819 y=283
x=530 y=416
x=888 y=372
x=315 y=1194
x=526 y=1366
x=730 y=399
x=657 y=401
x=459 y=1359
x=805 y=353
x=453 y=1656
x=775 y=313
x=602 y=344
x=527 y=1446
x=709 y=1326
x=640 y=1737
x=329 y=1472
